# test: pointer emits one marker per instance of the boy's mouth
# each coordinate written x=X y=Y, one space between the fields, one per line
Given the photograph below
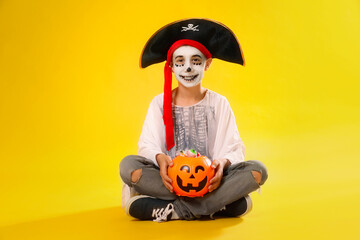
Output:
x=189 y=78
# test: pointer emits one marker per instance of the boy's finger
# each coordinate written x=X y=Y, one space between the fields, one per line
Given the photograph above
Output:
x=211 y=188
x=215 y=178
x=168 y=186
x=214 y=186
x=167 y=179
x=162 y=173
x=214 y=164
x=170 y=162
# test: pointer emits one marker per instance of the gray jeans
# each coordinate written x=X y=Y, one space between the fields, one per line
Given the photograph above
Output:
x=236 y=183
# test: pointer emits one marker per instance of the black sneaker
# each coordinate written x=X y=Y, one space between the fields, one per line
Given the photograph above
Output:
x=235 y=209
x=148 y=208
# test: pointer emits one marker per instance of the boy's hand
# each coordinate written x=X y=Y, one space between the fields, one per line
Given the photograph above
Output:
x=164 y=162
x=219 y=165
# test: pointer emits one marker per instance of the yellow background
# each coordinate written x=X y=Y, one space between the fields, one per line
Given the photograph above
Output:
x=73 y=100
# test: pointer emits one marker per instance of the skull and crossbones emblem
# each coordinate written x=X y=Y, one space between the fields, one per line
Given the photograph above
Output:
x=190 y=27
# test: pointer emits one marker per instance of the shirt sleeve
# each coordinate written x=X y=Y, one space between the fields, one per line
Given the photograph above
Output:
x=228 y=143
x=152 y=137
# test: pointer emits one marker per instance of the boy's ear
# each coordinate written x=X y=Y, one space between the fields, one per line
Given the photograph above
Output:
x=171 y=66
x=208 y=63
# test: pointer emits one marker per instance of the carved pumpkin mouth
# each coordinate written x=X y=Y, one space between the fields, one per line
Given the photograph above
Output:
x=190 y=186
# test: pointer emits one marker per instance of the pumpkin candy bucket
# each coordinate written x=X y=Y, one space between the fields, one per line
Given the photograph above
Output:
x=190 y=175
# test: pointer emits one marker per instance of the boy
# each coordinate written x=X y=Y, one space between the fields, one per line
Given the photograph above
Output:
x=190 y=117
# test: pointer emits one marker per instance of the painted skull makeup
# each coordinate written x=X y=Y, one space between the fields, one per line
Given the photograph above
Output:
x=188 y=65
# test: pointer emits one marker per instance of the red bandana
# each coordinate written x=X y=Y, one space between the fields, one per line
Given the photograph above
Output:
x=167 y=115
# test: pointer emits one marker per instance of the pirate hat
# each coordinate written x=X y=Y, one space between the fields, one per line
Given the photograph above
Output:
x=212 y=38
x=215 y=36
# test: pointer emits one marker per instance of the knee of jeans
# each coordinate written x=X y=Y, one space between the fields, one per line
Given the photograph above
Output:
x=262 y=169
x=126 y=169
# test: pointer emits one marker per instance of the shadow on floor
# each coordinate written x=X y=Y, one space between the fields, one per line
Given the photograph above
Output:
x=112 y=223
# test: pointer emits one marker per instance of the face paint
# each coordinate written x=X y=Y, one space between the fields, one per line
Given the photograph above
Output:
x=188 y=65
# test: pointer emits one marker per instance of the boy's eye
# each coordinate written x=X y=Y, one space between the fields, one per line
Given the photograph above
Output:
x=196 y=61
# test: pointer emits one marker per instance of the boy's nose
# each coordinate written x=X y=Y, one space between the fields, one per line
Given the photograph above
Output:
x=188 y=69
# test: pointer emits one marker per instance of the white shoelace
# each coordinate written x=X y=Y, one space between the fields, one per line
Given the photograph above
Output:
x=161 y=214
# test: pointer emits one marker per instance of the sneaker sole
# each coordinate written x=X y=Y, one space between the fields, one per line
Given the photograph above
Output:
x=249 y=205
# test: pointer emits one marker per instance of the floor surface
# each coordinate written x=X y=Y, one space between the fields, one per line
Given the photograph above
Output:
x=276 y=214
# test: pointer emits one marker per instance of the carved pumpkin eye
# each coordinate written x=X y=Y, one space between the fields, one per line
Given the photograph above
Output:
x=186 y=168
x=199 y=168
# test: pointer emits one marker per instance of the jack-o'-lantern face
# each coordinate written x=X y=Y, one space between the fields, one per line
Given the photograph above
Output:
x=191 y=175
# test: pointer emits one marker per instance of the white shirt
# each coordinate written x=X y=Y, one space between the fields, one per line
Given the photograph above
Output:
x=209 y=127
